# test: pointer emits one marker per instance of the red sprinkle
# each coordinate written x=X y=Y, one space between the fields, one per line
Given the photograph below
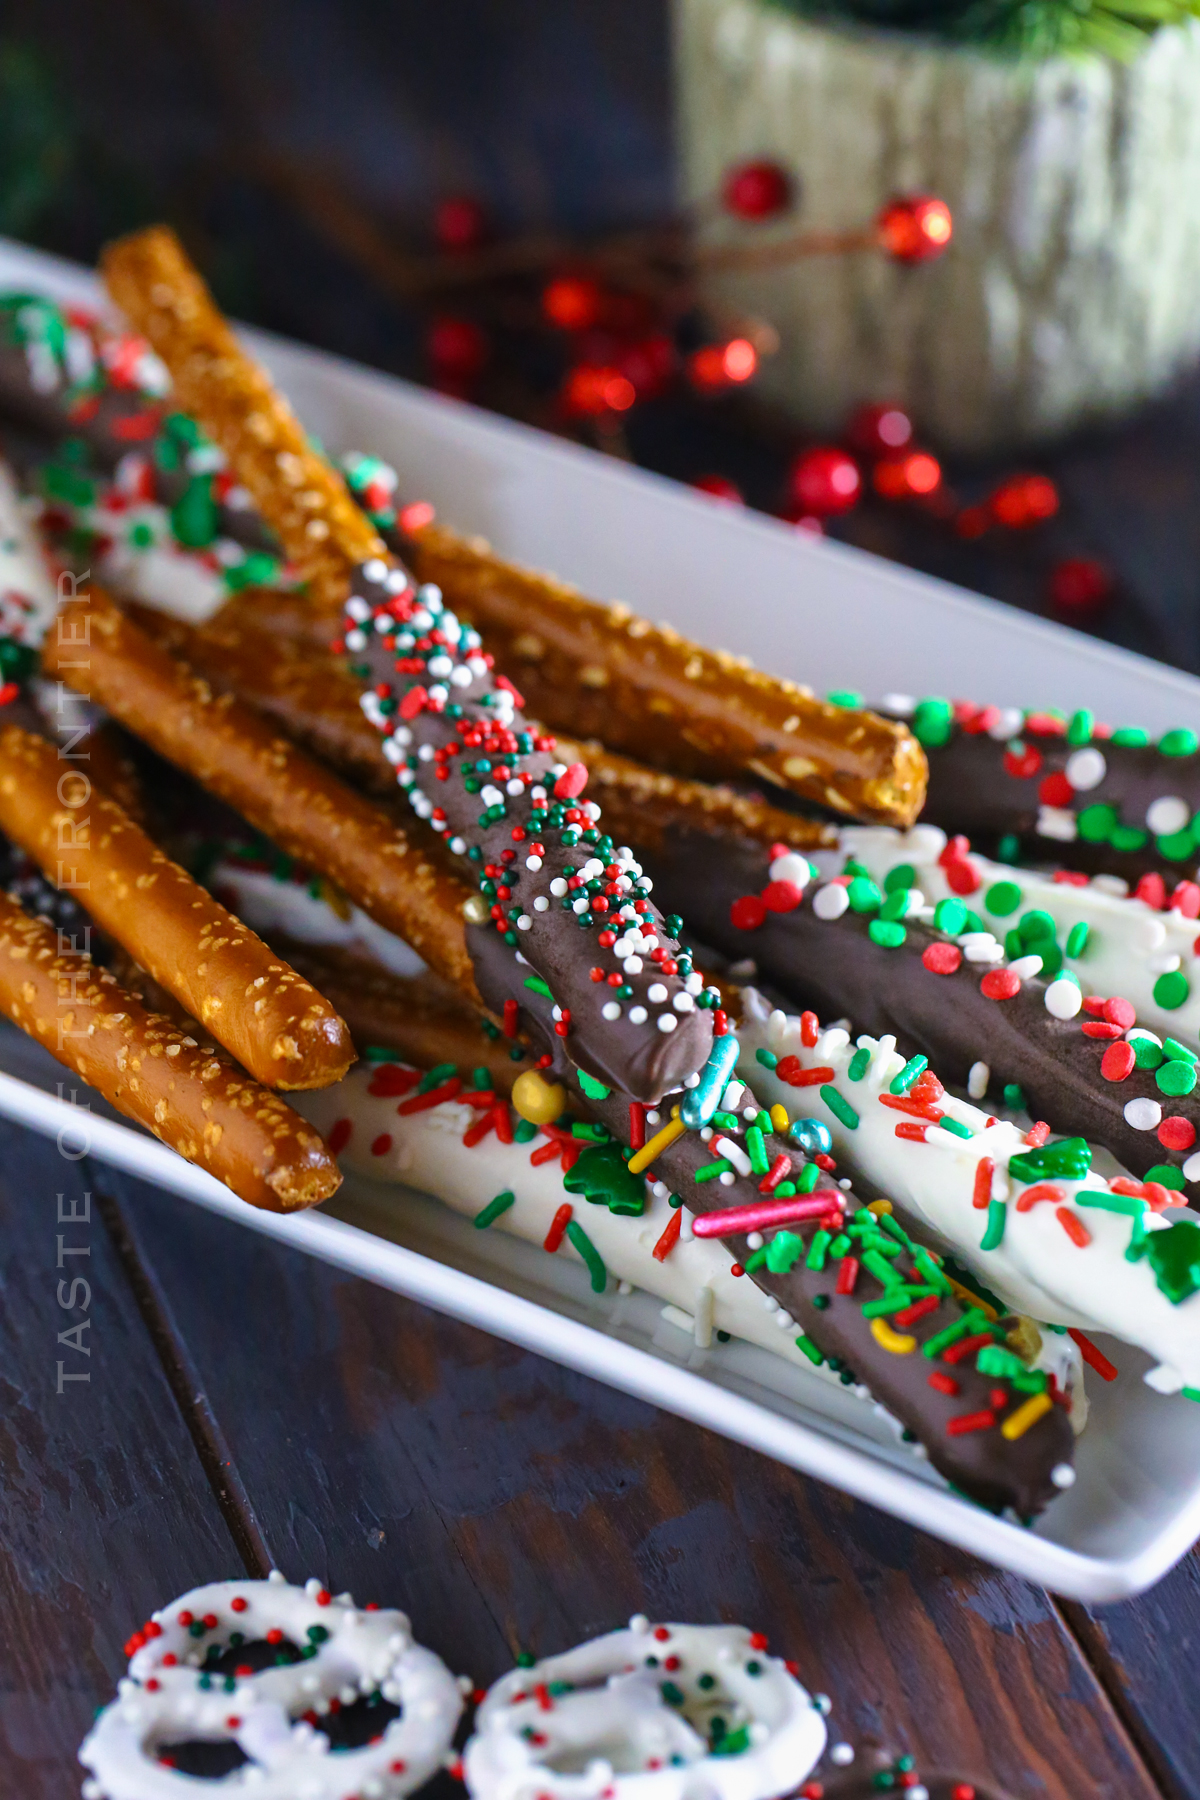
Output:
x=955 y=850
x=976 y=1421
x=390 y=1079
x=637 y=1125
x=1118 y=1061
x=1095 y=1359
x=339 y=1136
x=779 y=1168
x=981 y=1196
x=747 y=913
x=435 y=1096
x=966 y=1347
x=475 y=1134
x=1000 y=984
x=917 y=1310
x=1186 y=900
x=782 y=896
x=942 y=959
x=670 y=1236
x=1100 y=1028
x=962 y=877
x=945 y=1384
x=1041 y=1190
x=1175 y=1133
x=1037 y=1135
x=810 y=1027
x=1074 y=1227
x=926 y=1088
x=1056 y=790
x=1024 y=765
x=909 y=1129
x=382 y=1144
x=1122 y=1012
x=1152 y=890
x=847 y=1275
x=1071 y=877
x=511 y=1011
x=918 y=1109
x=558 y=1228
x=571 y=782
x=791 y=1070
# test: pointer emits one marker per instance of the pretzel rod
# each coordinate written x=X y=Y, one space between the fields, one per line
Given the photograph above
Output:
x=298 y=804
x=278 y=1027
x=1060 y=787
x=600 y=671
x=157 y=1075
x=294 y=488
x=316 y=701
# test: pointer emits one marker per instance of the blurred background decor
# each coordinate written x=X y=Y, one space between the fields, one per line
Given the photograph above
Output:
x=1064 y=135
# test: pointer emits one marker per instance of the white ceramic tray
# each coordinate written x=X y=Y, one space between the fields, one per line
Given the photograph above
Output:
x=818 y=612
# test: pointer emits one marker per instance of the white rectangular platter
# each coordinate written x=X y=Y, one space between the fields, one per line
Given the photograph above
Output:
x=820 y=613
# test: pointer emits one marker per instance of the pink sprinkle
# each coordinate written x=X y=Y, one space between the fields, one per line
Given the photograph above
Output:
x=766 y=1213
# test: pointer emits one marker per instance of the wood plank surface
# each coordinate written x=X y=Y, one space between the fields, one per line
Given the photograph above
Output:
x=105 y=1507
x=511 y=1505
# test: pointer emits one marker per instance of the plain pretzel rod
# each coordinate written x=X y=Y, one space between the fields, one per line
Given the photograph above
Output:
x=668 y=700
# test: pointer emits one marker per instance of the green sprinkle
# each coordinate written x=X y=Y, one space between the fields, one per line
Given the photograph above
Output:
x=1009 y=848
x=840 y=1246
x=971 y=1323
x=1128 y=838
x=593 y=1089
x=852 y=866
x=860 y=1062
x=378 y=1053
x=783 y=1252
x=933 y=722
x=1176 y=846
x=887 y=933
x=863 y=895
x=1190 y=1393
x=877 y=1264
x=911 y=1073
x=810 y=1350
x=1035 y=927
x=1002 y=898
x=1014 y=1096
x=899 y=879
x=1130 y=1204
x=845 y=697
x=841 y=1109
x=950 y=916
x=590 y=1255
x=1176 y=1077
x=956 y=1127
x=1167 y=1175
x=524 y=1131
x=817 y=1250
x=1180 y=742
x=930 y=1270
x=1095 y=824
x=711 y=1170
x=808 y=1178
x=1068 y=1160
x=1077 y=938
x=492 y=1211
x=895 y=907
x=786 y=1190
x=1081 y=728
x=767 y=1058
x=538 y=986
x=1146 y=1053
x=1131 y=737
x=756 y=1261
x=436 y=1077
x=1170 y=991
x=997 y=1218
x=1173 y=1048
x=893 y=1301
x=760 y=1162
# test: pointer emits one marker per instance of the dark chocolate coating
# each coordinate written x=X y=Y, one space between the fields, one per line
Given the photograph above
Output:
x=641 y=1059
x=834 y=967
x=972 y=792
x=990 y=1468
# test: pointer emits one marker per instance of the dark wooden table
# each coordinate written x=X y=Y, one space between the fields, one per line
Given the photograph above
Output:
x=246 y=1407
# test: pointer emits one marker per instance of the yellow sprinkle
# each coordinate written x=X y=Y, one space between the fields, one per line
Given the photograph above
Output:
x=972 y=1298
x=658 y=1142
x=880 y=1206
x=1018 y=1423
x=779 y=1118
x=899 y=1343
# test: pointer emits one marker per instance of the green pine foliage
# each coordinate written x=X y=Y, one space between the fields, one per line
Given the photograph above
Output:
x=1015 y=28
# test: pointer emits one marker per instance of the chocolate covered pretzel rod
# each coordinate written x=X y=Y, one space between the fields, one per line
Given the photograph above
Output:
x=277 y=1026
x=156 y=1074
x=295 y=489
x=1061 y=789
x=236 y=754
x=946 y=989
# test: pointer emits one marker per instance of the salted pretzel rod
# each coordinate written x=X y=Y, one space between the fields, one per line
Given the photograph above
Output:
x=277 y=1026
x=234 y=753
x=295 y=489
x=670 y=701
x=157 y=1075
x=313 y=698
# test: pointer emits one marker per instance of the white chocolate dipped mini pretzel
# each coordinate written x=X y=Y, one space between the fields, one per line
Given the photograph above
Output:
x=666 y=1712
x=189 y=1694
x=1048 y=1245
x=1113 y=942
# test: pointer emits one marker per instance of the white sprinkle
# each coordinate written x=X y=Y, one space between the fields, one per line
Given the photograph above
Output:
x=425 y=754
x=733 y=1153
x=533 y=862
x=541 y=904
x=524 y=922
x=634 y=965
x=841 y=1754
x=1086 y=769
x=490 y=795
x=458 y=845
x=1164 y=965
x=581 y=905
x=1111 y=884
x=656 y=993
x=702 y=1315
x=1009 y=725
x=558 y=887
x=683 y=1003
x=358 y=609
x=1062 y=1475
x=727 y=1179
x=1063 y=998
x=356 y=640
x=610 y=1011
x=1054 y=822
x=830 y=902
x=667 y=1021
x=1026 y=966
x=1167 y=814
x=903 y=705
x=514 y=786
x=977 y=1080
x=1191 y=1168
x=983 y=948
x=792 y=867
x=1143 y=1115
x=731 y=1099
x=755 y=1240
x=461 y=677
x=440 y=666
x=376 y=569
x=638 y=1015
